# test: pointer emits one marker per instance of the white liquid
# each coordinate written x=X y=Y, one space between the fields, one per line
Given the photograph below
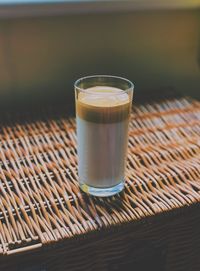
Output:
x=101 y=152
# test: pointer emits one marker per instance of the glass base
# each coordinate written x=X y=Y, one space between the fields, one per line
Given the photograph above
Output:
x=102 y=192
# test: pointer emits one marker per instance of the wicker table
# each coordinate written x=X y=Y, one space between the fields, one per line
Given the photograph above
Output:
x=47 y=223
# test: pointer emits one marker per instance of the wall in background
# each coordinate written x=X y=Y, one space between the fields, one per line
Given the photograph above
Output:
x=41 y=57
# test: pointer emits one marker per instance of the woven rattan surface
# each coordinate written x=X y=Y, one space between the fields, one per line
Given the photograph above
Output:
x=40 y=200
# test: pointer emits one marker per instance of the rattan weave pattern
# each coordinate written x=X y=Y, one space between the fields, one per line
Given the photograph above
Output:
x=40 y=200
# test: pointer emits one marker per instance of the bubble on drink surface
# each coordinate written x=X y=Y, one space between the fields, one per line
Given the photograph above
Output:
x=103 y=96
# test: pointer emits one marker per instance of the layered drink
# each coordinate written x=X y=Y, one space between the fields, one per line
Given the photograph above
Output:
x=102 y=115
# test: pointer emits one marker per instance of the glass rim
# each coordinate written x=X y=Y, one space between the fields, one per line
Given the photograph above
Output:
x=103 y=76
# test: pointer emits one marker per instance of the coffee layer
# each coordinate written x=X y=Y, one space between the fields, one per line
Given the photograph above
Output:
x=103 y=105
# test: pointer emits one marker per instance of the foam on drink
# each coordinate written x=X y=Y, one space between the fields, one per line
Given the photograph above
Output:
x=102 y=129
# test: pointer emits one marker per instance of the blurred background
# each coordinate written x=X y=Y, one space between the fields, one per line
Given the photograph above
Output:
x=46 y=45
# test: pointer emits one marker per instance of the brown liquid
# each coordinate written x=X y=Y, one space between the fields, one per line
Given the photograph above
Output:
x=103 y=105
x=102 y=126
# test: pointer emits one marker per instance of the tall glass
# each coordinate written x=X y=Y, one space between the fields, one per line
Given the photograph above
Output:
x=103 y=106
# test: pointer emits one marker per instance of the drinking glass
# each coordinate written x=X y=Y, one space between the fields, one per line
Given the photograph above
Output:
x=103 y=107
